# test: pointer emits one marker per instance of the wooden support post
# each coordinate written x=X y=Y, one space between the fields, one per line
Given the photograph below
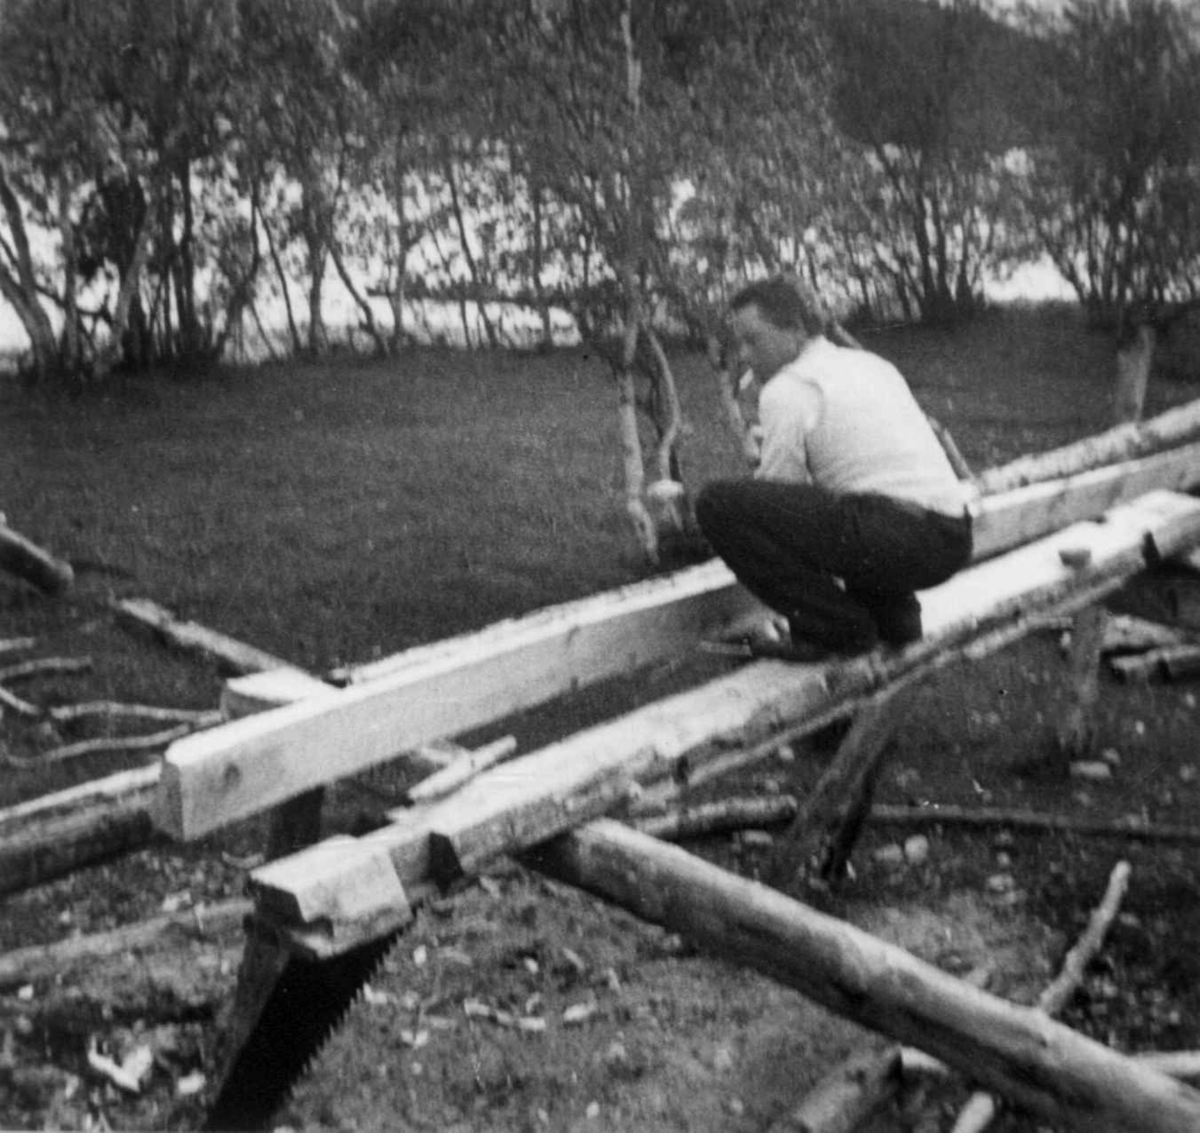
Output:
x=1076 y=737
x=835 y=810
x=1133 y=375
x=1067 y=1079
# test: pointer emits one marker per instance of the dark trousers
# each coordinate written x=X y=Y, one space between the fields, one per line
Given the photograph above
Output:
x=842 y=568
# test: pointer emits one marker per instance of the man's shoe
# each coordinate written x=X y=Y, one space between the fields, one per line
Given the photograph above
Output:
x=899 y=622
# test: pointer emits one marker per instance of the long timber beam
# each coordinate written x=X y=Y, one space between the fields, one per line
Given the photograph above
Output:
x=441 y=690
x=450 y=686
x=539 y=795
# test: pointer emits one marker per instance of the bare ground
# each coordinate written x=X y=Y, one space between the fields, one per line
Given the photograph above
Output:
x=640 y=1030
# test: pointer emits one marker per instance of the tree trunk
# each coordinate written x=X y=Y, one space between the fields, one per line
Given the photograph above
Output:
x=364 y=307
x=631 y=444
x=130 y=282
x=539 y=256
x=285 y=293
x=72 y=355
x=465 y=244
x=1061 y=1075
x=21 y=290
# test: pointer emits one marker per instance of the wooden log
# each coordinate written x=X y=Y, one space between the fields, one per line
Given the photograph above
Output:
x=454 y=775
x=847 y=1096
x=1019 y=1052
x=1181 y=1064
x=53 y=835
x=230 y=772
x=232 y=655
x=106 y=745
x=755 y=811
x=836 y=799
x=32 y=563
x=981 y=1107
x=1020 y=819
x=49 y=961
x=957 y=461
x=1125 y=633
x=1175 y=662
x=1076 y=735
x=63 y=712
x=44 y=666
x=20 y=706
x=1123 y=442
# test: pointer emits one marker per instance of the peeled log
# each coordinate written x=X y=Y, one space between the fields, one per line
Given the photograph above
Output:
x=29 y=561
x=1124 y=442
x=56 y=834
x=1063 y=1076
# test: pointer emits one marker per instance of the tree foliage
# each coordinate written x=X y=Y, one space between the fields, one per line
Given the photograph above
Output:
x=1115 y=173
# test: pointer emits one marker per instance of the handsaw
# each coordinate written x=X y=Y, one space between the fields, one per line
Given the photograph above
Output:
x=286 y=1007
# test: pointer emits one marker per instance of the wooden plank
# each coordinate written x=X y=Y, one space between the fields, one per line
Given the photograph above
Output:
x=444 y=690
x=623 y=605
x=566 y=783
x=1066 y=1078
x=234 y=655
x=1023 y=514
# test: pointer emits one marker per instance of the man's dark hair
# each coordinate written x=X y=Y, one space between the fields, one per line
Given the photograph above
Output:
x=785 y=302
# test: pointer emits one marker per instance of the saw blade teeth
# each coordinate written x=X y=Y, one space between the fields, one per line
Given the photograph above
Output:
x=286 y=1009
x=386 y=946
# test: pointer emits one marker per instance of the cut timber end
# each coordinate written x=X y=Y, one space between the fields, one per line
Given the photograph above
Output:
x=350 y=879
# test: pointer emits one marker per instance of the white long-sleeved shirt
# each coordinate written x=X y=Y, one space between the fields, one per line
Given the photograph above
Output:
x=847 y=421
